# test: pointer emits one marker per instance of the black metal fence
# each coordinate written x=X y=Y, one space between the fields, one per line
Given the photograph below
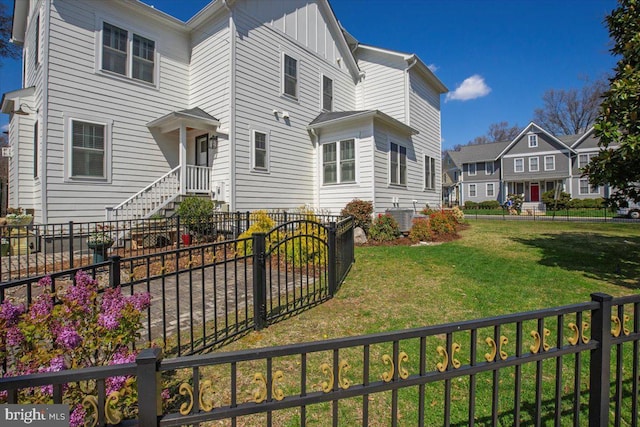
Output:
x=204 y=295
x=37 y=249
x=570 y=365
x=534 y=214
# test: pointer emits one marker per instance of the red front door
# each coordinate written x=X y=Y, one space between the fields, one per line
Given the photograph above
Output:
x=535 y=193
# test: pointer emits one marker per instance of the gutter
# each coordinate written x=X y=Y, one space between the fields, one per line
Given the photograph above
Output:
x=412 y=61
x=232 y=106
x=45 y=114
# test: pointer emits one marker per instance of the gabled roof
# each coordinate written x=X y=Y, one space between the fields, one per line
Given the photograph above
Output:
x=588 y=134
x=412 y=60
x=343 y=117
x=477 y=153
x=529 y=128
x=193 y=117
x=7 y=105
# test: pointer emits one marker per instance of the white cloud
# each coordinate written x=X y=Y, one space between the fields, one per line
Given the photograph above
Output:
x=471 y=88
x=5 y=127
x=433 y=67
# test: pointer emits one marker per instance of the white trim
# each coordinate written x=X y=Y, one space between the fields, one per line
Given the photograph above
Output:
x=68 y=148
x=338 y=145
x=537 y=153
x=589 y=187
x=532 y=140
x=475 y=190
x=322 y=76
x=537 y=169
x=515 y=168
x=524 y=131
x=406 y=177
x=553 y=165
x=427 y=159
x=493 y=189
x=492 y=168
x=295 y=97
x=267 y=147
x=475 y=169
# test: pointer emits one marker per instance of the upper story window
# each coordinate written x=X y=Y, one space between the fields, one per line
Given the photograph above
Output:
x=36 y=44
x=36 y=150
x=472 y=169
x=116 y=45
x=429 y=173
x=88 y=154
x=488 y=168
x=339 y=162
x=533 y=140
x=518 y=164
x=260 y=151
x=549 y=163
x=327 y=93
x=584 y=159
x=398 y=164
x=534 y=165
x=290 y=76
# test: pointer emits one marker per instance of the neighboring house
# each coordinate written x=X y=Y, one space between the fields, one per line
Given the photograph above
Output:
x=260 y=105
x=532 y=163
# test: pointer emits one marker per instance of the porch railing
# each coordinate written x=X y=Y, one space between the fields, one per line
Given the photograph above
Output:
x=149 y=200
x=198 y=179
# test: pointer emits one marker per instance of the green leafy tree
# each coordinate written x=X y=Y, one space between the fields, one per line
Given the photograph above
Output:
x=617 y=127
x=7 y=49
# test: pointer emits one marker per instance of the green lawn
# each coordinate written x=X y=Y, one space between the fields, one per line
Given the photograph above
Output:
x=497 y=267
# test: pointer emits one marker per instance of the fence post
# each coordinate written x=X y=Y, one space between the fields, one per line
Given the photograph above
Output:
x=248 y=220
x=114 y=271
x=332 y=258
x=148 y=378
x=238 y=224
x=178 y=233
x=259 y=282
x=71 y=245
x=599 y=366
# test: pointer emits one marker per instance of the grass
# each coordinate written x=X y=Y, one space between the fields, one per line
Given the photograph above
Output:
x=496 y=268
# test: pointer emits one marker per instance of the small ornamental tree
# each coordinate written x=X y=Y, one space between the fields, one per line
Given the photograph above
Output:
x=85 y=329
x=361 y=211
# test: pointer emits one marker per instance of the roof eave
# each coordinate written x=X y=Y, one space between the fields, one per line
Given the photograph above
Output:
x=373 y=114
x=583 y=137
x=19 y=21
x=173 y=120
x=430 y=75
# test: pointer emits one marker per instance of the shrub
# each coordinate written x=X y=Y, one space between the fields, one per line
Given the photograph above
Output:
x=195 y=213
x=457 y=214
x=420 y=231
x=441 y=225
x=83 y=330
x=305 y=244
x=261 y=222
x=361 y=211
x=489 y=204
x=427 y=210
x=384 y=229
x=470 y=205
x=562 y=202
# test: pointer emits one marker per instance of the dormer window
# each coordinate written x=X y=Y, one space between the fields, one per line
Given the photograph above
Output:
x=533 y=140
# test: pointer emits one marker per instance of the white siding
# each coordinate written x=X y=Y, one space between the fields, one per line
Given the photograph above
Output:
x=291 y=180
x=384 y=84
x=136 y=159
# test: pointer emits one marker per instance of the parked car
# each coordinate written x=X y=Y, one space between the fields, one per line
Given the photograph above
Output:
x=632 y=210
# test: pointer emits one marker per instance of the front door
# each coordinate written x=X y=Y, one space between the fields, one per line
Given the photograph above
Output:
x=535 y=192
x=202 y=150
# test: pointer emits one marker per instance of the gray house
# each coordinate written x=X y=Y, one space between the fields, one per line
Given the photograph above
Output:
x=532 y=163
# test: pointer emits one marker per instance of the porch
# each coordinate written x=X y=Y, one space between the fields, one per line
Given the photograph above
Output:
x=531 y=191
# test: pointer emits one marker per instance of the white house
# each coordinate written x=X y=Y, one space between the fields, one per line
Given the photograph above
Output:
x=261 y=105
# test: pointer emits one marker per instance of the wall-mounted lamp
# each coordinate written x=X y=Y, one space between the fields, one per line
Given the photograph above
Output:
x=22 y=112
x=283 y=114
x=213 y=142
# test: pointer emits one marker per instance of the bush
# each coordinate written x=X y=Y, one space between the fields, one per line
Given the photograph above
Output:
x=384 y=229
x=427 y=210
x=470 y=205
x=261 y=222
x=361 y=211
x=85 y=329
x=489 y=204
x=195 y=213
x=305 y=244
x=548 y=198
x=457 y=214
x=440 y=224
x=420 y=231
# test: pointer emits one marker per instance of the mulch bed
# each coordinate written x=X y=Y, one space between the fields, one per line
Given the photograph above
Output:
x=405 y=241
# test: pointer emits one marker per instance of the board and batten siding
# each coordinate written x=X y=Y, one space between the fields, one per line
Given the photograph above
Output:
x=334 y=197
x=127 y=105
x=424 y=115
x=384 y=83
x=291 y=179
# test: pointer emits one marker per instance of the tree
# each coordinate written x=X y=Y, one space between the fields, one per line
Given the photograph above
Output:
x=617 y=126
x=498 y=132
x=7 y=49
x=573 y=111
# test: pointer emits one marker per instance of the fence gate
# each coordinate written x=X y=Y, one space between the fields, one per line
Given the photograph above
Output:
x=294 y=268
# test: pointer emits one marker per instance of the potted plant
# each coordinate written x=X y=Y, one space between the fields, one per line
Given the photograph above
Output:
x=17 y=218
x=100 y=241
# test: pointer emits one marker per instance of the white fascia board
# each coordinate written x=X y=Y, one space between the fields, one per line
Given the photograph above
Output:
x=526 y=130
x=373 y=114
x=19 y=22
x=426 y=71
x=403 y=55
x=165 y=18
x=10 y=98
x=583 y=137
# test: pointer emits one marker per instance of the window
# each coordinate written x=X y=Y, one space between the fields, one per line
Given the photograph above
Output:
x=549 y=163
x=116 y=44
x=488 y=168
x=36 y=44
x=550 y=186
x=260 y=151
x=327 y=93
x=36 y=150
x=472 y=190
x=398 y=161
x=533 y=164
x=490 y=190
x=88 y=149
x=290 y=75
x=339 y=168
x=533 y=140
x=518 y=165
x=429 y=173
x=584 y=159
x=472 y=169
x=585 y=188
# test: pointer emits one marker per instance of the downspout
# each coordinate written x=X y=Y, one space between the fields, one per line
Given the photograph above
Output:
x=232 y=108
x=316 y=146
x=45 y=113
x=407 y=109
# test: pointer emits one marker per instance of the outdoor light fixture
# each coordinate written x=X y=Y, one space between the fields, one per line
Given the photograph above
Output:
x=213 y=142
x=21 y=111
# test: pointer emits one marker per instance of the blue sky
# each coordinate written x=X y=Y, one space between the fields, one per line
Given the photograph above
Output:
x=498 y=57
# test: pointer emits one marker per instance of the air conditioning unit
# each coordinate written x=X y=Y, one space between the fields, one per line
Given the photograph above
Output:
x=403 y=217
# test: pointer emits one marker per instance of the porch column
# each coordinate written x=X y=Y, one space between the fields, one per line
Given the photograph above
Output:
x=183 y=159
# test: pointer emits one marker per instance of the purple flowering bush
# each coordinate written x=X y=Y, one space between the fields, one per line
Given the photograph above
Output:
x=85 y=329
